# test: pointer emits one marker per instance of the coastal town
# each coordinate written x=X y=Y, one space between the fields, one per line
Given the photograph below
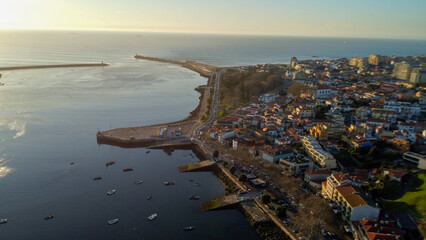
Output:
x=314 y=149
x=349 y=133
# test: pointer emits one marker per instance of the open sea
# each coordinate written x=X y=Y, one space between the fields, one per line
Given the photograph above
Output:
x=49 y=118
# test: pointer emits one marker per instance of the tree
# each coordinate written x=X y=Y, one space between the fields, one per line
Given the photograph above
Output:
x=216 y=153
x=281 y=212
x=266 y=198
x=225 y=164
x=296 y=89
x=232 y=170
x=242 y=178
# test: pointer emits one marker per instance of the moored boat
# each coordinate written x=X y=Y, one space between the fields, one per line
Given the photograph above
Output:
x=148 y=151
x=188 y=228
x=111 y=192
x=138 y=182
x=110 y=163
x=97 y=178
x=194 y=197
x=49 y=217
x=3 y=220
x=113 y=221
x=169 y=183
x=152 y=217
x=127 y=169
x=149 y=197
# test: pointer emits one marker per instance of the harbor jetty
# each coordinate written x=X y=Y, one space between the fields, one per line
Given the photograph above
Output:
x=174 y=134
x=203 y=69
x=102 y=64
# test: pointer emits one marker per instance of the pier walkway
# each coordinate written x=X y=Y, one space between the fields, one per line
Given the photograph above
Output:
x=205 y=165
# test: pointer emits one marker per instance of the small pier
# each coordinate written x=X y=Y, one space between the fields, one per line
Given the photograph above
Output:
x=227 y=201
x=221 y=202
x=205 y=165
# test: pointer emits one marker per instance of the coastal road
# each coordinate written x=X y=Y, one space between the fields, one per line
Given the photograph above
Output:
x=214 y=107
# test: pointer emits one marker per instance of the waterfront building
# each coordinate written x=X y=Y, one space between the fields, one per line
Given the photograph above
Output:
x=349 y=202
x=353 y=206
x=334 y=180
x=322 y=159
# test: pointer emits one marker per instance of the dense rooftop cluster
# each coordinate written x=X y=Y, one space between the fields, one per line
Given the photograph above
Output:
x=347 y=126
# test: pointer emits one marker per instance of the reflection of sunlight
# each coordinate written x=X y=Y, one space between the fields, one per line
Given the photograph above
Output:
x=4 y=170
x=19 y=127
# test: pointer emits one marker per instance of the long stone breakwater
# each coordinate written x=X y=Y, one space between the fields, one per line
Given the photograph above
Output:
x=54 y=66
x=160 y=135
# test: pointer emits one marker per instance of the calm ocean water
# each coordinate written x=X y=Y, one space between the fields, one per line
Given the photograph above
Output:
x=49 y=118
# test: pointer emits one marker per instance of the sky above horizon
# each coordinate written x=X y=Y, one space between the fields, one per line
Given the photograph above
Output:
x=336 y=18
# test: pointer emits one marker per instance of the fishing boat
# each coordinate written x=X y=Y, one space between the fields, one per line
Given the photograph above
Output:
x=149 y=197
x=152 y=217
x=110 y=163
x=97 y=178
x=49 y=217
x=138 y=182
x=127 y=169
x=194 y=197
x=113 y=221
x=111 y=192
x=188 y=228
x=3 y=220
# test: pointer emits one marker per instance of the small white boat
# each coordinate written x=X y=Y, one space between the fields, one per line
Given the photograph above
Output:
x=138 y=182
x=152 y=217
x=111 y=192
x=3 y=220
x=188 y=228
x=113 y=221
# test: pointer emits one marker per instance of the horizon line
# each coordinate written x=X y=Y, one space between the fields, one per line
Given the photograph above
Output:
x=132 y=30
